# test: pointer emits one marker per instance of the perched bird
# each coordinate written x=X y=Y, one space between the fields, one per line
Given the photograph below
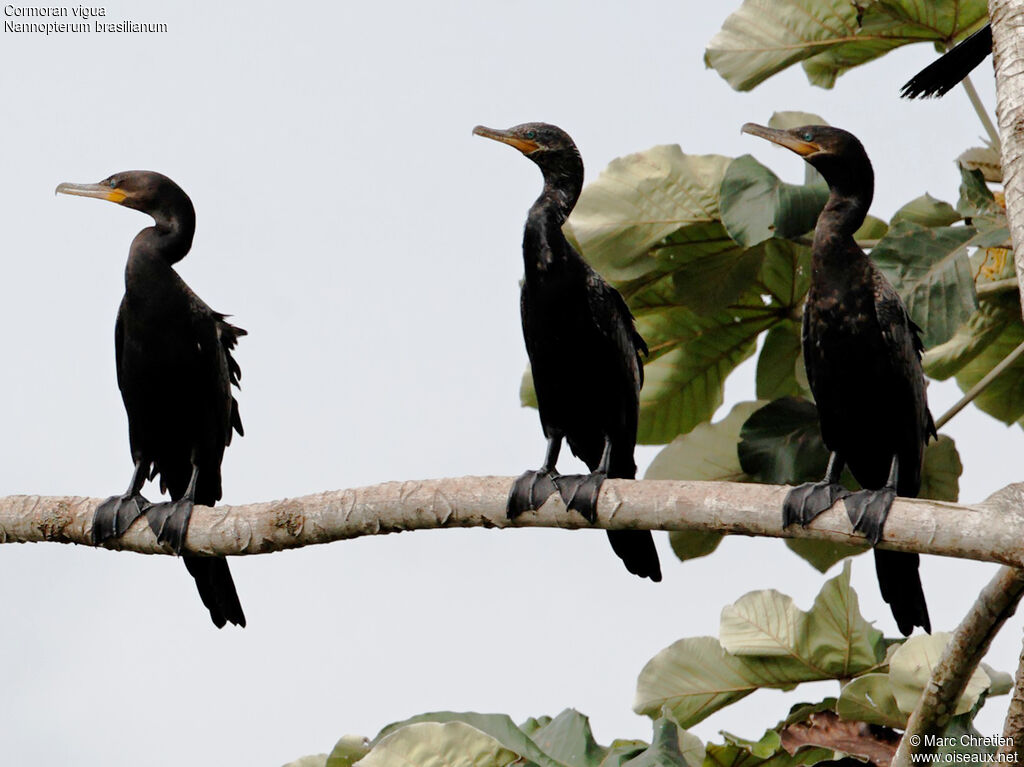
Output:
x=863 y=358
x=175 y=371
x=943 y=74
x=584 y=350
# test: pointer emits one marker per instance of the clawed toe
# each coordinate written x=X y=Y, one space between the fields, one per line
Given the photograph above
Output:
x=868 y=509
x=529 y=492
x=807 y=501
x=169 y=521
x=580 y=492
x=115 y=515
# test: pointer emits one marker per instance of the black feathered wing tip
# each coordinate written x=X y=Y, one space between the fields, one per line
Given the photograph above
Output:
x=900 y=581
x=216 y=589
x=228 y=335
x=636 y=550
x=943 y=74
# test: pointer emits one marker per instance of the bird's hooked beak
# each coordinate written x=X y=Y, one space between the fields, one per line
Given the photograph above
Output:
x=523 y=145
x=99 y=191
x=782 y=138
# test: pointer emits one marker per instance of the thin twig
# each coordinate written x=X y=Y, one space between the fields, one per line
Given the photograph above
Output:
x=982 y=113
x=979 y=387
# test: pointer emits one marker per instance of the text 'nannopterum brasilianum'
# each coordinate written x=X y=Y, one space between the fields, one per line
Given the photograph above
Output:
x=175 y=371
x=863 y=358
x=584 y=350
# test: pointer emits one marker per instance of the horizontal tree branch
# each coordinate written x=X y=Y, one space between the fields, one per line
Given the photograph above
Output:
x=992 y=531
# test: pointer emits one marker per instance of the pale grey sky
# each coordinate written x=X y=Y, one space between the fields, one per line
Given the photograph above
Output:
x=371 y=246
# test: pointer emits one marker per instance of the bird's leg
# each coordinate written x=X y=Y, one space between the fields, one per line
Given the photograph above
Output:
x=533 y=488
x=170 y=520
x=116 y=514
x=580 y=492
x=868 y=509
x=805 y=502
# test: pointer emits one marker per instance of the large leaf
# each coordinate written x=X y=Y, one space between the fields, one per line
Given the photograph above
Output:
x=707 y=453
x=451 y=744
x=671 y=747
x=930 y=269
x=996 y=317
x=910 y=670
x=869 y=699
x=347 y=751
x=764 y=37
x=781 y=443
x=940 y=474
x=638 y=201
x=756 y=205
x=567 y=739
x=499 y=727
x=780 y=366
x=927 y=211
x=783 y=646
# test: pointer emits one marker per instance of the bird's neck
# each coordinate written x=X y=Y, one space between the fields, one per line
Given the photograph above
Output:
x=544 y=245
x=157 y=248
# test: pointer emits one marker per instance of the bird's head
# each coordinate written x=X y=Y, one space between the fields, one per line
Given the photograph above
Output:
x=143 y=190
x=547 y=145
x=836 y=154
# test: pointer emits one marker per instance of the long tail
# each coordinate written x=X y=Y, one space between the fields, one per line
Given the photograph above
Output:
x=900 y=582
x=943 y=74
x=636 y=550
x=216 y=589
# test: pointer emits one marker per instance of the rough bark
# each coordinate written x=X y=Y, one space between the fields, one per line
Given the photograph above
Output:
x=992 y=531
x=1007 y=18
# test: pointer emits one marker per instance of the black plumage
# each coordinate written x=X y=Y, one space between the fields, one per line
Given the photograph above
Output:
x=585 y=353
x=943 y=74
x=863 y=358
x=175 y=371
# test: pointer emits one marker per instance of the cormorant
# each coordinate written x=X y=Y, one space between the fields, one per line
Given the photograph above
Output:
x=175 y=371
x=863 y=358
x=583 y=347
x=943 y=74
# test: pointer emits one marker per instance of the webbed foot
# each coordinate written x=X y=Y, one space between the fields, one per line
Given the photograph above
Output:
x=804 y=502
x=530 y=491
x=580 y=491
x=868 y=509
x=115 y=515
x=170 y=521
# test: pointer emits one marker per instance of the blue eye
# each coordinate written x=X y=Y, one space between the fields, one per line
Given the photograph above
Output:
x=808 y=136
x=532 y=134
x=112 y=183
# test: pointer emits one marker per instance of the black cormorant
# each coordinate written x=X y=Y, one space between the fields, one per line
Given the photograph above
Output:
x=175 y=371
x=583 y=347
x=863 y=358
x=943 y=74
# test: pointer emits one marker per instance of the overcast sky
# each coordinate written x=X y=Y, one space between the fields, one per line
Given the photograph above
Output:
x=371 y=246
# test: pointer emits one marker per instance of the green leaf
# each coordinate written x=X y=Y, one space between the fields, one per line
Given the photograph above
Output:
x=996 y=317
x=787 y=120
x=780 y=366
x=764 y=624
x=452 y=744
x=756 y=205
x=940 y=474
x=780 y=444
x=873 y=228
x=927 y=211
x=976 y=199
x=671 y=747
x=822 y=555
x=347 y=751
x=910 y=670
x=764 y=37
x=500 y=727
x=960 y=738
x=568 y=740
x=869 y=699
x=1001 y=682
x=695 y=677
x=638 y=201
x=707 y=453
x=314 y=760
x=930 y=269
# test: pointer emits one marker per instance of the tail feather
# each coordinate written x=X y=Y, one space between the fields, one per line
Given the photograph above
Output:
x=636 y=550
x=900 y=583
x=216 y=589
x=943 y=74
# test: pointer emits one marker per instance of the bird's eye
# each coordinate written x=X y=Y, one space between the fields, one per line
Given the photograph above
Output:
x=531 y=134
x=808 y=135
x=112 y=183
